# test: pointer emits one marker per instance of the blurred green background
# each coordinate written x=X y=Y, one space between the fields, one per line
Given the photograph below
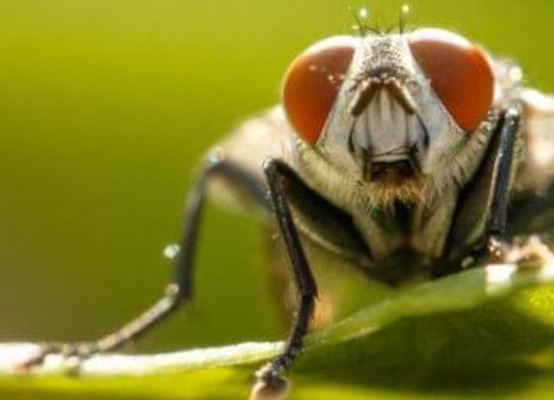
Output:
x=106 y=106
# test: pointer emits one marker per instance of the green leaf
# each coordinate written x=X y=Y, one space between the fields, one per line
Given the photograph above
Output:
x=483 y=333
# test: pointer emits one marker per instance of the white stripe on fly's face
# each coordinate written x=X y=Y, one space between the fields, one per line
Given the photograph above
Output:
x=390 y=128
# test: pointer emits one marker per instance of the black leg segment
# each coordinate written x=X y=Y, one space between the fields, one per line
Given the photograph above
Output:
x=480 y=222
x=502 y=177
x=180 y=289
x=269 y=376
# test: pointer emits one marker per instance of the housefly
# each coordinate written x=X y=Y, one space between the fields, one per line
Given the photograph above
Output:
x=400 y=152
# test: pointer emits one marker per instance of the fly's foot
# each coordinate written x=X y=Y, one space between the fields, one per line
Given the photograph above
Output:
x=525 y=251
x=80 y=351
x=270 y=385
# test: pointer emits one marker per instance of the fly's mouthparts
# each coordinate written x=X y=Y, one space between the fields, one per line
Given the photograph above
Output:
x=391 y=167
x=391 y=171
x=366 y=90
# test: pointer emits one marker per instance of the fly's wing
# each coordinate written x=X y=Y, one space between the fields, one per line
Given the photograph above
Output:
x=533 y=208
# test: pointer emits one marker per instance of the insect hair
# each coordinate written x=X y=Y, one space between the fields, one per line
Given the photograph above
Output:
x=363 y=27
x=403 y=18
x=400 y=25
x=361 y=24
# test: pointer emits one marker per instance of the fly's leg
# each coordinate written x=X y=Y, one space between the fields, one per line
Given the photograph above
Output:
x=526 y=249
x=479 y=227
x=179 y=291
x=269 y=383
x=496 y=223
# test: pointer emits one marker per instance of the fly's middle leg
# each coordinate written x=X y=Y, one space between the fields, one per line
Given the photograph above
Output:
x=527 y=249
x=502 y=177
x=479 y=230
x=179 y=290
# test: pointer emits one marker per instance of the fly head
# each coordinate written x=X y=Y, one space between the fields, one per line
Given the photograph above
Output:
x=396 y=113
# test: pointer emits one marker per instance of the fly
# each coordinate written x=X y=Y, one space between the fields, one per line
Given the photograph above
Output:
x=400 y=151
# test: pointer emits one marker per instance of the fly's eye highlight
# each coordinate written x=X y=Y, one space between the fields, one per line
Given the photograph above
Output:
x=312 y=82
x=460 y=74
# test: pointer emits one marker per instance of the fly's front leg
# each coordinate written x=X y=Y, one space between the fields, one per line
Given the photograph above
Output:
x=521 y=249
x=270 y=384
x=179 y=291
x=496 y=223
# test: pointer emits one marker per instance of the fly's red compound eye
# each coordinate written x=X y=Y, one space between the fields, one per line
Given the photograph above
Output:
x=459 y=72
x=312 y=82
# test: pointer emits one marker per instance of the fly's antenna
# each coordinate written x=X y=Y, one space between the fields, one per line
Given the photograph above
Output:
x=361 y=24
x=401 y=24
x=404 y=11
x=361 y=17
x=375 y=29
x=360 y=20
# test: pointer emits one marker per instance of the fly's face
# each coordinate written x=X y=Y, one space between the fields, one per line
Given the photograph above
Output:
x=391 y=110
